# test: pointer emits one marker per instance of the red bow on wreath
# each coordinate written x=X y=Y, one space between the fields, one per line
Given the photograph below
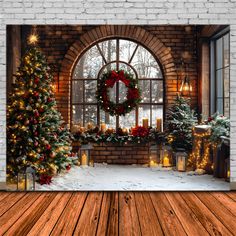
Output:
x=115 y=77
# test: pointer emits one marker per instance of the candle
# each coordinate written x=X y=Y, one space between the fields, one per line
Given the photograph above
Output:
x=181 y=164
x=103 y=127
x=152 y=163
x=89 y=126
x=166 y=161
x=145 y=123
x=91 y=163
x=159 y=125
x=125 y=131
x=84 y=160
x=21 y=185
x=228 y=174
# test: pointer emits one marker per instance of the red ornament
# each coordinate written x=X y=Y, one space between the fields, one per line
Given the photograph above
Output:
x=36 y=80
x=41 y=158
x=36 y=114
x=45 y=179
x=36 y=94
x=36 y=143
x=49 y=100
x=48 y=146
x=68 y=167
x=41 y=110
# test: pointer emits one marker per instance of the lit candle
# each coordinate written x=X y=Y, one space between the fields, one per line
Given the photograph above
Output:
x=181 y=164
x=228 y=174
x=21 y=185
x=166 y=161
x=159 y=125
x=145 y=123
x=84 y=160
x=89 y=126
x=152 y=163
x=125 y=131
x=103 y=127
x=91 y=163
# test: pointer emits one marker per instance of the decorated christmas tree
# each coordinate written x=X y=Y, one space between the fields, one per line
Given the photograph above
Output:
x=36 y=135
x=180 y=121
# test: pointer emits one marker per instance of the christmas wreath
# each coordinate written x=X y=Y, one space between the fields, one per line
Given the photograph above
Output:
x=107 y=81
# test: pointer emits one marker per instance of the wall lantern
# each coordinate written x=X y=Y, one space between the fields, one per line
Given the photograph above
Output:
x=186 y=85
x=26 y=179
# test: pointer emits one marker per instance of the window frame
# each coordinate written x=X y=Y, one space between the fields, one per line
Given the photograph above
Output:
x=83 y=104
x=213 y=71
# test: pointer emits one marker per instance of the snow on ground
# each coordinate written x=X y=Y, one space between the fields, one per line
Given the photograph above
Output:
x=131 y=178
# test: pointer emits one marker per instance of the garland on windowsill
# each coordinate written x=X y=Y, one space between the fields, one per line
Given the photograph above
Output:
x=136 y=136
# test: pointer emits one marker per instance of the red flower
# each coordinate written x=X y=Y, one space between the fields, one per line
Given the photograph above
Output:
x=140 y=131
x=45 y=179
x=210 y=119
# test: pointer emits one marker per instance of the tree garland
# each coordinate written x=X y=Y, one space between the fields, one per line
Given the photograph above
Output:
x=107 y=81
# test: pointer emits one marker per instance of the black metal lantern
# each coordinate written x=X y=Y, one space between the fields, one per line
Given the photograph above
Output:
x=85 y=155
x=26 y=179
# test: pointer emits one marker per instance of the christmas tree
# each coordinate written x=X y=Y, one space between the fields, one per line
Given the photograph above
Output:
x=36 y=135
x=180 y=121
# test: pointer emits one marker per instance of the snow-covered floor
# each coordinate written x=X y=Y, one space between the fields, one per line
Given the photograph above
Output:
x=131 y=178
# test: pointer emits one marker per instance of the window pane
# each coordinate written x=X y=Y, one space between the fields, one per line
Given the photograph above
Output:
x=226 y=82
x=90 y=114
x=125 y=67
x=219 y=104
x=89 y=65
x=77 y=91
x=226 y=50
x=145 y=64
x=219 y=52
x=122 y=92
x=77 y=114
x=128 y=120
x=144 y=112
x=126 y=50
x=109 y=49
x=144 y=85
x=157 y=112
x=226 y=107
x=90 y=90
x=112 y=93
x=157 y=91
x=219 y=84
x=110 y=121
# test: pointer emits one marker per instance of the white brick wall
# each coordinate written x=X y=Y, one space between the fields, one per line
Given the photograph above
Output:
x=115 y=12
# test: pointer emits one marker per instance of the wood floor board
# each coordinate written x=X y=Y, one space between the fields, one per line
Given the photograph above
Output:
x=15 y=212
x=205 y=216
x=113 y=228
x=166 y=215
x=128 y=216
x=49 y=218
x=227 y=201
x=219 y=210
x=117 y=213
x=68 y=219
x=25 y=223
x=104 y=213
x=188 y=219
x=149 y=222
x=8 y=201
x=88 y=221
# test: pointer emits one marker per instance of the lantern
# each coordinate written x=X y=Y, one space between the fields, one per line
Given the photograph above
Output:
x=181 y=159
x=26 y=180
x=85 y=154
x=166 y=156
x=153 y=155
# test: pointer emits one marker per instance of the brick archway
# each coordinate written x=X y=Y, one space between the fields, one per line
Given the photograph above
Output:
x=135 y=33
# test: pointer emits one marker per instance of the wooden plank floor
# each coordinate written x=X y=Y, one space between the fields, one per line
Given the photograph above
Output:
x=118 y=213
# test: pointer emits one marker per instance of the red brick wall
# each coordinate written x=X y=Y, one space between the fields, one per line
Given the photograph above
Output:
x=120 y=154
x=62 y=45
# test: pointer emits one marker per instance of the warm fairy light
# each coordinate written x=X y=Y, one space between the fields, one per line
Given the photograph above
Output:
x=33 y=39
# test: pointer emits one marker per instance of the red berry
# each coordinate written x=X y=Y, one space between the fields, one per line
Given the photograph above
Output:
x=48 y=146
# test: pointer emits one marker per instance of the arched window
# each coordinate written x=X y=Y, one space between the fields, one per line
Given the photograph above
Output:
x=116 y=54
